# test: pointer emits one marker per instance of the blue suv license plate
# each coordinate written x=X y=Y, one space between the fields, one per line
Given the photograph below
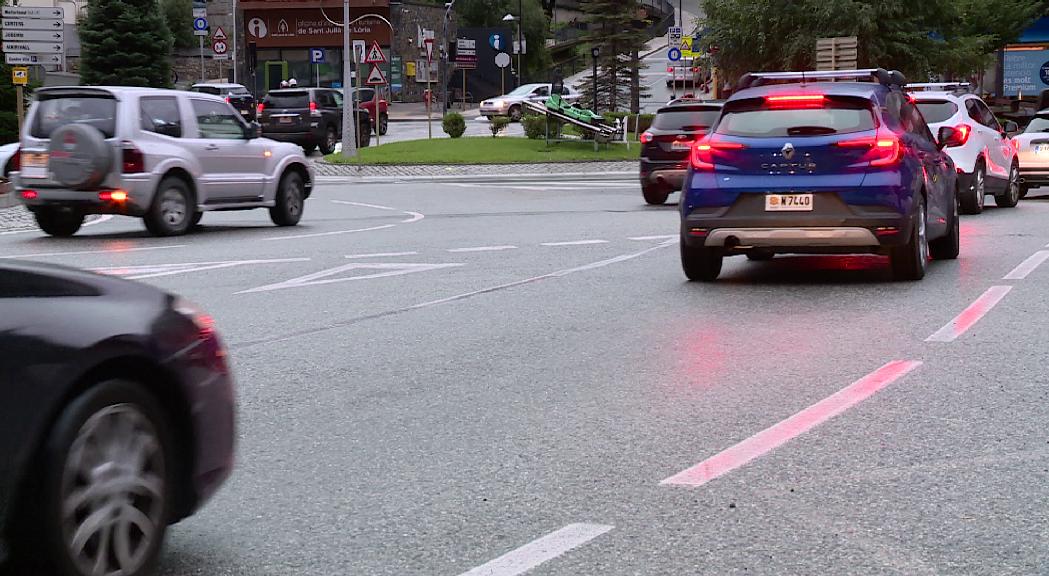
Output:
x=788 y=202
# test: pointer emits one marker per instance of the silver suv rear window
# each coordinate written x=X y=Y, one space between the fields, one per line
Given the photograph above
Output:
x=53 y=113
x=754 y=118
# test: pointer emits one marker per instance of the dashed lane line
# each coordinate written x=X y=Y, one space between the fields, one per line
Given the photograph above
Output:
x=574 y=243
x=382 y=255
x=971 y=315
x=663 y=237
x=536 y=552
x=483 y=249
x=779 y=434
x=1027 y=266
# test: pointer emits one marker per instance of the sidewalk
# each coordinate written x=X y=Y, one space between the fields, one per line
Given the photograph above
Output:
x=416 y=112
x=15 y=219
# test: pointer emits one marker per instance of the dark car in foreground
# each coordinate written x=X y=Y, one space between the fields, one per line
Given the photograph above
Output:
x=798 y=163
x=309 y=117
x=236 y=95
x=116 y=419
x=666 y=144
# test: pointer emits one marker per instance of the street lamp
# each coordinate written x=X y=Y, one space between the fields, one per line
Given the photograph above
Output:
x=595 y=52
x=510 y=18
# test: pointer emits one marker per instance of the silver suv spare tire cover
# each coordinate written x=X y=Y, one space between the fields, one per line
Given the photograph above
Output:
x=80 y=157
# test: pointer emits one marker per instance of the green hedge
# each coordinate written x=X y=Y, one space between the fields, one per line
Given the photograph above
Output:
x=453 y=124
x=534 y=126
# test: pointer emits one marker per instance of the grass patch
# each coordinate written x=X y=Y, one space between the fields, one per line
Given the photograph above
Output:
x=484 y=150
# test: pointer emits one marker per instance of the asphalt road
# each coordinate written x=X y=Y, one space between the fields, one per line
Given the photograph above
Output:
x=473 y=378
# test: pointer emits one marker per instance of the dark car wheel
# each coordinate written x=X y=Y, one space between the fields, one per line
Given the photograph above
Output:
x=701 y=263
x=973 y=199
x=947 y=248
x=308 y=149
x=515 y=113
x=172 y=211
x=106 y=487
x=1024 y=190
x=1011 y=196
x=196 y=219
x=654 y=195
x=330 y=140
x=910 y=260
x=57 y=222
x=290 y=198
x=384 y=124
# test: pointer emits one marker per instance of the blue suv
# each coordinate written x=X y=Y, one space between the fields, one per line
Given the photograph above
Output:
x=798 y=163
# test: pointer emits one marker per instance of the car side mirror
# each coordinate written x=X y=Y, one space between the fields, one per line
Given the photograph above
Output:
x=1010 y=128
x=253 y=130
x=948 y=137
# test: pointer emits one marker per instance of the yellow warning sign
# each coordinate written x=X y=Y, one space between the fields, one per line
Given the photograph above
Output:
x=409 y=69
x=686 y=47
x=19 y=75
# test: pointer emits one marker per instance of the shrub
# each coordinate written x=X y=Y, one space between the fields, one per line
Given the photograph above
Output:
x=534 y=126
x=497 y=124
x=453 y=124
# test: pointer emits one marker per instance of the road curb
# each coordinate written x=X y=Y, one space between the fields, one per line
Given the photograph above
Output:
x=526 y=177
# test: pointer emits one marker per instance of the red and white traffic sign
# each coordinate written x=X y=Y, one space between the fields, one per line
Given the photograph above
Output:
x=375 y=55
x=219 y=34
x=219 y=46
x=375 y=77
x=429 y=49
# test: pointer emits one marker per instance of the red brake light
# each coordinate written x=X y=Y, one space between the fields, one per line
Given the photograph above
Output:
x=796 y=101
x=313 y=106
x=228 y=99
x=134 y=160
x=112 y=196
x=259 y=108
x=963 y=130
x=646 y=137
x=670 y=69
x=209 y=350
x=29 y=195
x=884 y=148
x=703 y=151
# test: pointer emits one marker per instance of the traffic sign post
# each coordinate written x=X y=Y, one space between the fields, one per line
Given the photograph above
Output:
x=20 y=77
x=674 y=36
x=502 y=60
x=317 y=57
x=33 y=35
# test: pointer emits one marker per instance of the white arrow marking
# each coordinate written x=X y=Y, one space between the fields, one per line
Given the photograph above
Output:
x=323 y=277
x=157 y=270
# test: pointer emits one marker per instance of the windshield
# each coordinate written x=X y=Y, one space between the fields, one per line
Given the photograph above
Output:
x=755 y=118
x=287 y=100
x=687 y=120
x=1038 y=124
x=523 y=90
x=936 y=111
x=96 y=111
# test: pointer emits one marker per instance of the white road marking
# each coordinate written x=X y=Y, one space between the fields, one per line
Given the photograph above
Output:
x=414 y=216
x=483 y=249
x=779 y=434
x=1027 y=266
x=574 y=243
x=337 y=232
x=109 y=251
x=971 y=315
x=663 y=237
x=382 y=255
x=322 y=277
x=157 y=270
x=541 y=550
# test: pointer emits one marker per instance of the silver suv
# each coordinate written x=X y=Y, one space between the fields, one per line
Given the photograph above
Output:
x=163 y=155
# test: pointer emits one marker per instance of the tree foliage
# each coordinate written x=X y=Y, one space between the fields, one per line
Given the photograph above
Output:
x=617 y=29
x=125 y=43
x=178 y=14
x=930 y=37
x=490 y=13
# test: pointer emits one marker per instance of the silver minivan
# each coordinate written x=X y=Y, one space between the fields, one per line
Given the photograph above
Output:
x=165 y=156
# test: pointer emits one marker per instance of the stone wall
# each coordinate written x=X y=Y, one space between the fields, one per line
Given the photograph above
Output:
x=407 y=18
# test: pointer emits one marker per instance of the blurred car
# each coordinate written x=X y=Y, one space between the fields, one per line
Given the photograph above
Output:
x=665 y=146
x=1032 y=152
x=235 y=94
x=309 y=117
x=162 y=155
x=7 y=158
x=820 y=163
x=512 y=103
x=985 y=157
x=683 y=74
x=116 y=419
x=380 y=114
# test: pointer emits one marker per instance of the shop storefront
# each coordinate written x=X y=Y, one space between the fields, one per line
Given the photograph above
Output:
x=282 y=35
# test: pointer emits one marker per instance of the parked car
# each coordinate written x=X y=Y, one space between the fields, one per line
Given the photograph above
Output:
x=800 y=164
x=985 y=157
x=512 y=103
x=665 y=146
x=309 y=117
x=380 y=115
x=116 y=419
x=1032 y=151
x=162 y=155
x=237 y=95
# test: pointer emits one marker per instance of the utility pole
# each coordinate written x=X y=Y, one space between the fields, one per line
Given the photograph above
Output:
x=595 y=52
x=444 y=57
x=520 y=44
x=349 y=128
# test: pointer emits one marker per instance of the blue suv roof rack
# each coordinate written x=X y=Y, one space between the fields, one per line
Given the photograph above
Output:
x=885 y=77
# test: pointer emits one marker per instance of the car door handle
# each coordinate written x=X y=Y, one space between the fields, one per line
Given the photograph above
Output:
x=211 y=147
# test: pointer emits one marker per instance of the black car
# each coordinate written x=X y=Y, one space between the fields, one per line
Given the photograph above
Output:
x=666 y=144
x=309 y=117
x=237 y=95
x=116 y=419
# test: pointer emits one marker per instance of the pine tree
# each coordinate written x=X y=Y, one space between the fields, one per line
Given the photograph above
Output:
x=619 y=32
x=125 y=43
x=179 y=16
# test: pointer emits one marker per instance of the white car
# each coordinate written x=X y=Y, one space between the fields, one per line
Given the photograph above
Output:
x=684 y=74
x=985 y=159
x=162 y=155
x=1032 y=148
x=511 y=104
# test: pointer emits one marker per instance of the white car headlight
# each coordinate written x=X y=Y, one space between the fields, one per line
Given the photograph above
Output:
x=498 y=103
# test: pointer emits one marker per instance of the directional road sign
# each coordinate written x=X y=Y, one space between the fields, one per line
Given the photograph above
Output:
x=33 y=13
x=35 y=35
x=375 y=77
x=49 y=59
x=34 y=47
x=14 y=24
x=375 y=55
x=674 y=54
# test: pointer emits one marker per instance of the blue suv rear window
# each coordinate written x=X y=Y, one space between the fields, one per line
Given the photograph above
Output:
x=756 y=118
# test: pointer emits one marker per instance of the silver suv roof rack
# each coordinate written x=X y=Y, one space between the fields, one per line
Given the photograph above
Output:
x=880 y=75
x=939 y=87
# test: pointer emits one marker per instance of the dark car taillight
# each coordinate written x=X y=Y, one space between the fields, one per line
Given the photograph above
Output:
x=209 y=350
x=16 y=160
x=885 y=149
x=646 y=137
